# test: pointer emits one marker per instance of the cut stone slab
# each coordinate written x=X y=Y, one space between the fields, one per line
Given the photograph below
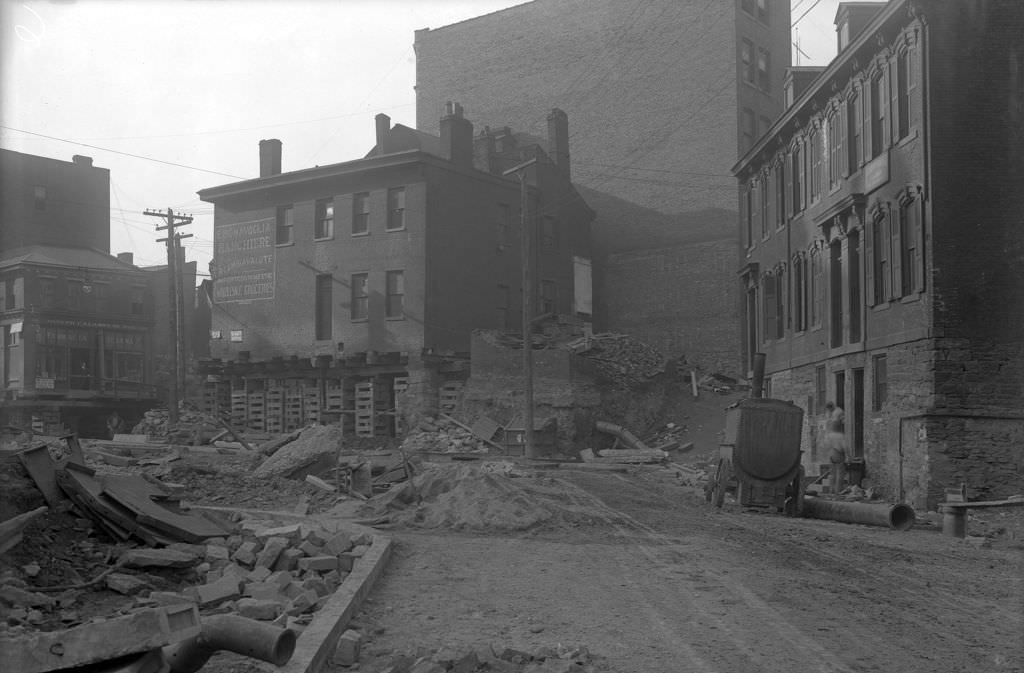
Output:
x=281 y=578
x=341 y=542
x=271 y=551
x=262 y=610
x=21 y=598
x=319 y=563
x=310 y=549
x=291 y=532
x=216 y=552
x=347 y=651
x=157 y=558
x=304 y=602
x=126 y=584
x=289 y=559
x=169 y=598
x=245 y=554
x=222 y=590
x=315 y=443
x=258 y=574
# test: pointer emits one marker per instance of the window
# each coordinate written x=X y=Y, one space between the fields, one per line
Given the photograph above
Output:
x=853 y=124
x=504 y=224
x=912 y=273
x=780 y=194
x=285 y=224
x=549 y=234
x=881 y=375
x=136 y=300
x=748 y=130
x=47 y=293
x=836 y=293
x=396 y=208
x=323 y=226
x=360 y=305
x=902 y=93
x=798 y=310
x=766 y=124
x=763 y=70
x=548 y=296
x=235 y=336
x=797 y=168
x=748 y=202
x=834 y=151
x=853 y=282
x=323 y=306
x=360 y=213
x=748 y=6
x=75 y=299
x=503 y=308
x=762 y=11
x=816 y=150
x=129 y=367
x=817 y=294
x=819 y=389
x=877 y=117
x=765 y=190
x=395 y=300
x=40 y=197
x=773 y=314
x=747 y=59
x=12 y=336
x=100 y=297
x=880 y=245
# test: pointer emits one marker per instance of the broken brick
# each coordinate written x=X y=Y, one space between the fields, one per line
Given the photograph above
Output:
x=245 y=554
x=288 y=559
x=271 y=551
x=262 y=610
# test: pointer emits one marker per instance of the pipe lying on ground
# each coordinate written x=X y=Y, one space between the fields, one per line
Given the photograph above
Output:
x=243 y=636
x=627 y=437
x=887 y=515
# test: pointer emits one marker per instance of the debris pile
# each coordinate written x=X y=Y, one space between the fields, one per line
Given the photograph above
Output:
x=558 y=659
x=669 y=437
x=316 y=447
x=191 y=424
x=625 y=361
x=442 y=435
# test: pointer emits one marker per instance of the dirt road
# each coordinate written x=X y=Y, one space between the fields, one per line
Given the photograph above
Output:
x=660 y=582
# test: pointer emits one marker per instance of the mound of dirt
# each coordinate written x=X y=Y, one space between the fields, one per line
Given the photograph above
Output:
x=485 y=497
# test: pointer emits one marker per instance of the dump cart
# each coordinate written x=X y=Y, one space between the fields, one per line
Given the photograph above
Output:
x=760 y=453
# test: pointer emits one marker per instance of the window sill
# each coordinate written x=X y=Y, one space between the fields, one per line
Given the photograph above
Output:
x=360 y=320
x=884 y=306
x=396 y=318
x=284 y=245
x=911 y=298
x=910 y=137
x=360 y=234
x=394 y=230
x=324 y=238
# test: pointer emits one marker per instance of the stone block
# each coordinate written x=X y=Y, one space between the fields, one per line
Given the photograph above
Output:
x=290 y=532
x=21 y=598
x=319 y=563
x=466 y=663
x=197 y=550
x=234 y=542
x=216 y=552
x=346 y=561
x=304 y=602
x=359 y=550
x=258 y=574
x=264 y=591
x=245 y=554
x=341 y=542
x=292 y=589
x=333 y=580
x=235 y=572
x=217 y=592
x=158 y=558
x=126 y=584
x=347 y=651
x=310 y=549
x=288 y=560
x=317 y=584
x=281 y=578
x=272 y=549
x=262 y=610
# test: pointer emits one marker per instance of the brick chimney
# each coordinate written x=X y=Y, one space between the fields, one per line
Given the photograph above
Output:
x=456 y=135
x=852 y=18
x=270 y=157
x=82 y=160
x=383 y=124
x=126 y=257
x=558 y=140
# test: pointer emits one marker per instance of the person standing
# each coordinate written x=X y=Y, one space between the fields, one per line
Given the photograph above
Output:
x=835 y=442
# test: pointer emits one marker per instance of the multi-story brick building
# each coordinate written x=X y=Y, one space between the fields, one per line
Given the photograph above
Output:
x=880 y=253
x=77 y=323
x=662 y=94
x=379 y=269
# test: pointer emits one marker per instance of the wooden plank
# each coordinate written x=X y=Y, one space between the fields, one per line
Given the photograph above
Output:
x=132 y=439
x=136 y=494
x=10 y=530
x=86 y=492
x=41 y=468
x=982 y=504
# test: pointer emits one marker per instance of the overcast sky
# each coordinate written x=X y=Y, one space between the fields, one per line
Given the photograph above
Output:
x=199 y=82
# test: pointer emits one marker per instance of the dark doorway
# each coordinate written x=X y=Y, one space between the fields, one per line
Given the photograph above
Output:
x=841 y=389
x=81 y=369
x=858 y=413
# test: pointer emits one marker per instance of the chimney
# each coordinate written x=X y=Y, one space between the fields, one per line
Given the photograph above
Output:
x=456 y=135
x=82 y=160
x=270 y=157
x=126 y=257
x=558 y=140
x=852 y=18
x=383 y=123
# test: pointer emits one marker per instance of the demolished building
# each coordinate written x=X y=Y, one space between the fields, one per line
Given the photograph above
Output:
x=347 y=293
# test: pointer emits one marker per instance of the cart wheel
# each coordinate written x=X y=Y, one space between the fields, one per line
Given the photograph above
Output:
x=722 y=476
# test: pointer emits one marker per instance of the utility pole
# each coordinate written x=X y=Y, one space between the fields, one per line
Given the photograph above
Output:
x=527 y=252
x=176 y=352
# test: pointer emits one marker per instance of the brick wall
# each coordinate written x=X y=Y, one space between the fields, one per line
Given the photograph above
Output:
x=679 y=299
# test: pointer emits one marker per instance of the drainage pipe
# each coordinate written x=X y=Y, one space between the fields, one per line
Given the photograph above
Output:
x=243 y=636
x=887 y=515
x=627 y=437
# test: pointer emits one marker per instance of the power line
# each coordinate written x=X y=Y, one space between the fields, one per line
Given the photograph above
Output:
x=127 y=154
x=805 y=13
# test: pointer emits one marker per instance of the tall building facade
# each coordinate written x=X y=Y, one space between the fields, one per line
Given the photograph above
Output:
x=880 y=252
x=662 y=94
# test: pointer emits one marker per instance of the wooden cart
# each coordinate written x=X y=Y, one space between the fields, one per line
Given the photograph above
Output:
x=760 y=456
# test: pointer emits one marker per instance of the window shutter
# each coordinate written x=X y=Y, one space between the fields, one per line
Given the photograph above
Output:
x=894 y=93
x=896 y=251
x=884 y=106
x=865 y=121
x=869 y=260
x=919 y=256
x=914 y=105
x=770 y=316
x=787 y=170
x=842 y=124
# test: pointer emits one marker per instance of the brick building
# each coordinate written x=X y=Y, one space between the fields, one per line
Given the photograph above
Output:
x=662 y=93
x=77 y=323
x=880 y=252
x=337 y=287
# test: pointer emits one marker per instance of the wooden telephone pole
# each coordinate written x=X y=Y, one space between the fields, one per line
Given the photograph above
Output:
x=176 y=309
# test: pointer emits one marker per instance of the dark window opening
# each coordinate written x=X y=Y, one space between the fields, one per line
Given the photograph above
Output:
x=360 y=213
x=323 y=306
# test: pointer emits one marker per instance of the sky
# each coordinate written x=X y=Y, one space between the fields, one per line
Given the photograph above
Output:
x=173 y=96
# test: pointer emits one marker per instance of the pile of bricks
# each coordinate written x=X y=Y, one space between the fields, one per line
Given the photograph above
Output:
x=280 y=574
x=623 y=360
x=442 y=436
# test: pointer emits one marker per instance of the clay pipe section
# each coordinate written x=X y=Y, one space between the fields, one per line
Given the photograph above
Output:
x=897 y=517
x=233 y=633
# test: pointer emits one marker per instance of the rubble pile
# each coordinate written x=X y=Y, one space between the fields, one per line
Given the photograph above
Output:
x=625 y=361
x=314 y=444
x=669 y=437
x=558 y=659
x=440 y=435
x=155 y=424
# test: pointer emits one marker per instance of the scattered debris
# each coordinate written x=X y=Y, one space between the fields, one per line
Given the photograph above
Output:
x=315 y=447
x=558 y=659
x=11 y=530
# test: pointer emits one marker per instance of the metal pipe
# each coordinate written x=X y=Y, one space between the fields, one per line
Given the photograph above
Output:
x=887 y=515
x=627 y=437
x=757 y=381
x=243 y=636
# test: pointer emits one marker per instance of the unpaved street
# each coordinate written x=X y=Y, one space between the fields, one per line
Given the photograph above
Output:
x=659 y=581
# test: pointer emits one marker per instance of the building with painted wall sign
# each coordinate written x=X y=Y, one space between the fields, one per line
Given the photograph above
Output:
x=880 y=246
x=380 y=268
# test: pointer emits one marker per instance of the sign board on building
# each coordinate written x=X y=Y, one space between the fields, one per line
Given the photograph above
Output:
x=244 y=254
x=44 y=384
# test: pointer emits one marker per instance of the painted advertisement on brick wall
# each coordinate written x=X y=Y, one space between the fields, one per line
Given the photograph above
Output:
x=243 y=255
